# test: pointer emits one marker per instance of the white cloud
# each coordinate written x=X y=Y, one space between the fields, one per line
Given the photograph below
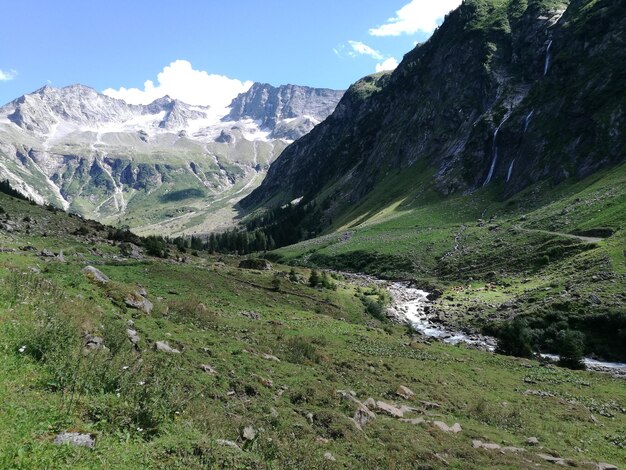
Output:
x=389 y=64
x=418 y=15
x=6 y=76
x=180 y=81
x=358 y=48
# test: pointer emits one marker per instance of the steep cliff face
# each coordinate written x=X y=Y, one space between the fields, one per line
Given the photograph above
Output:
x=166 y=167
x=289 y=111
x=504 y=94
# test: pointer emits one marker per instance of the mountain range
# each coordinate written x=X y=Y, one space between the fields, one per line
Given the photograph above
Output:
x=159 y=167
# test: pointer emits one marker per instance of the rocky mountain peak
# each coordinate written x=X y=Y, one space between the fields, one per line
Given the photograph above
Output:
x=276 y=107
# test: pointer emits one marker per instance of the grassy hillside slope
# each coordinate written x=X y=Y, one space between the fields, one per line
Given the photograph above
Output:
x=549 y=250
x=276 y=370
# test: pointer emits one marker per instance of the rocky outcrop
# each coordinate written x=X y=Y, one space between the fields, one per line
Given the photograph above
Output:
x=288 y=111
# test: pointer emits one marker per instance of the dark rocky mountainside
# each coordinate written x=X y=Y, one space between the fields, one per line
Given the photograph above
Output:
x=504 y=94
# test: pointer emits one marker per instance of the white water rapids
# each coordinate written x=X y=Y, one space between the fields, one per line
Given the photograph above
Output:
x=411 y=305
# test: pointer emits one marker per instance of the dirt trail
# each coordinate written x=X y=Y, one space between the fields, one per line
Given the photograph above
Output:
x=561 y=234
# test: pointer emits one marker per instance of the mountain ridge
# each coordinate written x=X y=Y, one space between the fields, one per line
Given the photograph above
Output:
x=131 y=164
x=493 y=120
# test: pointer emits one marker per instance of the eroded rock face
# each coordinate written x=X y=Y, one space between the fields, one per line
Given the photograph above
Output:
x=278 y=107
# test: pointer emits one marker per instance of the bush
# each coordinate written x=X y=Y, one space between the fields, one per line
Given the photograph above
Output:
x=191 y=311
x=571 y=347
x=514 y=339
x=374 y=308
x=276 y=284
x=156 y=246
x=314 y=278
x=299 y=350
x=327 y=283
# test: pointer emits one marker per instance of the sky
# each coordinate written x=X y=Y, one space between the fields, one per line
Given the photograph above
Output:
x=205 y=51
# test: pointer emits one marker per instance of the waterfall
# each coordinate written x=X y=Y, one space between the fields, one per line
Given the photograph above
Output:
x=508 y=175
x=527 y=120
x=494 y=151
x=547 y=66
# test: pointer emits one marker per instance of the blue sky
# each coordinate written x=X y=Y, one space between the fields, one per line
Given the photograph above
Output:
x=113 y=44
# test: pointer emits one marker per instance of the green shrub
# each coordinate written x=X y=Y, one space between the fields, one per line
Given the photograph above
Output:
x=314 y=278
x=155 y=246
x=375 y=308
x=192 y=312
x=514 y=339
x=571 y=347
x=300 y=350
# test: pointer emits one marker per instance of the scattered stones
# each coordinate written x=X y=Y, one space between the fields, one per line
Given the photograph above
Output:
x=249 y=433
x=414 y=421
x=532 y=441
x=269 y=357
x=606 y=466
x=593 y=298
x=429 y=405
x=552 y=459
x=405 y=393
x=455 y=428
x=95 y=275
x=322 y=440
x=363 y=415
x=390 y=410
x=166 y=348
x=138 y=301
x=348 y=395
x=94 y=342
x=208 y=369
x=370 y=403
x=330 y=457
x=251 y=315
x=133 y=336
x=225 y=443
x=76 y=439
x=513 y=450
x=45 y=253
x=477 y=444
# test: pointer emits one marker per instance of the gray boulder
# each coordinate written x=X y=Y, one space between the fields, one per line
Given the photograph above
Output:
x=95 y=275
x=76 y=439
x=166 y=348
x=138 y=301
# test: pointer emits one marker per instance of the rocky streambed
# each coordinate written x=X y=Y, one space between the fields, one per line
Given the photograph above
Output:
x=412 y=306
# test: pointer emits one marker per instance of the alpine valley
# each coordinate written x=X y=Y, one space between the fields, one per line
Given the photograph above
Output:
x=425 y=271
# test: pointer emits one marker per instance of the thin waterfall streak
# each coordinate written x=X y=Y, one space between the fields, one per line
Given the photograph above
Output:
x=548 y=54
x=494 y=151
x=508 y=175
